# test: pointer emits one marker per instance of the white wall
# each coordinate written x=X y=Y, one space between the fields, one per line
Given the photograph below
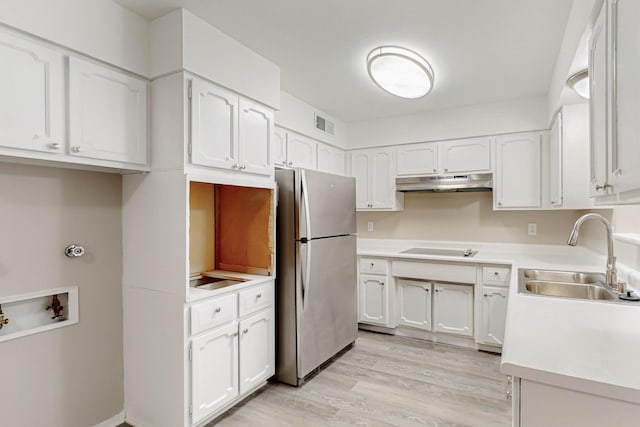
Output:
x=72 y=376
x=465 y=217
x=98 y=28
x=475 y=120
x=297 y=115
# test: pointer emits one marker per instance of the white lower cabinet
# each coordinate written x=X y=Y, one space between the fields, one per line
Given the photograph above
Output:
x=414 y=303
x=493 y=315
x=214 y=369
x=374 y=300
x=453 y=309
x=550 y=406
x=257 y=349
x=229 y=361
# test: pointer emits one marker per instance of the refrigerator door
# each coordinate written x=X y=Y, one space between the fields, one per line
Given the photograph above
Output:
x=325 y=300
x=327 y=205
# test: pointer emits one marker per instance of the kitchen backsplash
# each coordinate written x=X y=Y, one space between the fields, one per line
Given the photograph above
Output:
x=466 y=217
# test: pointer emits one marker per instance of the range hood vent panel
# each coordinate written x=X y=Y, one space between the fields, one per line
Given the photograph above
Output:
x=450 y=183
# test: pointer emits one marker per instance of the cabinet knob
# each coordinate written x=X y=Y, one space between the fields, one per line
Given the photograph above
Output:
x=259 y=296
x=426 y=289
x=290 y=162
x=245 y=331
x=54 y=145
x=446 y=170
x=499 y=203
x=495 y=273
x=76 y=149
x=217 y=310
x=435 y=170
x=382 y=283
x=486 y=295
x=234 y=166
x=234 y=334
x=243 y=167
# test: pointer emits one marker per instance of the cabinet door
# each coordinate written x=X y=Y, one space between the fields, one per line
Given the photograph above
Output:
x=494 y=313
x=555 y=162
x=471 y=155
x=373 y=297
x=360 y=170
x=414 y=303
x=453 y=309
x=255 y=139
x=32 y=101
x=518 y=171
x=381 y=179
x=301 y=152
x=598 y=60
x=330 y=159
x=214 y=126
x=625 y=99
x=418 y=159
x=107 y=114
x=280 y=147
x=257 y=349
x=214 y=370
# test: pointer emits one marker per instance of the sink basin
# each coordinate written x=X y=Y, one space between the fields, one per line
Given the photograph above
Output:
x=565 y=284
x=570 y=290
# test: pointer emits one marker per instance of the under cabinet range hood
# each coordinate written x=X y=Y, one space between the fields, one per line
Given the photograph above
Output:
x=470 y=182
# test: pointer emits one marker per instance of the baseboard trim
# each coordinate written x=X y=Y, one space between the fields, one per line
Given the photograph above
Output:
x=114 y=421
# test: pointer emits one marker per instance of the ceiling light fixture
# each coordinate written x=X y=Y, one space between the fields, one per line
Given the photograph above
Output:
x=580 y=83
x=399 y=71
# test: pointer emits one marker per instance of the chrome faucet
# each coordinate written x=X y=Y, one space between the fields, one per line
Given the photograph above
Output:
x=612 y=273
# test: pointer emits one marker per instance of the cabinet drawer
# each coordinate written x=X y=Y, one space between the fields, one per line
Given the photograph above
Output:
x=496 y=275
x=374 y=266
x=214 y=312
x=433 y=271
x=256 y=298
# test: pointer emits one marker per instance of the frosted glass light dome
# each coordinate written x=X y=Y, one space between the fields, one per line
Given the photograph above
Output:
x=399 y=71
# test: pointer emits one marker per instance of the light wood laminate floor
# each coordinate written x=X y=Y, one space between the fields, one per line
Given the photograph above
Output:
x=387 y=381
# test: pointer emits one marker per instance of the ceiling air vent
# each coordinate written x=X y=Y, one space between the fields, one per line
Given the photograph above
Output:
x=325 y=125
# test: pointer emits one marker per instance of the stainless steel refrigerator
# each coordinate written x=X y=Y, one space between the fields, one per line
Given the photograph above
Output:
x=316 y=270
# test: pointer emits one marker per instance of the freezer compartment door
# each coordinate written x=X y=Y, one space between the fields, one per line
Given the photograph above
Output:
x=326 y=300
x=327 y=205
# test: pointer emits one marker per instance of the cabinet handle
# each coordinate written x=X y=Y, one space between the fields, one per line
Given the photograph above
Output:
x=435 y=170
x=617 y=172
x=235 y=334
x=437 y=290
x=446 y=170
x=234 y=166
x=499 y=203
x=245 y=331
x=486 y=295
x=382 y=283
x=290 y=162
x=259 y=296
x=426 y=289
x=76 y=149
x=495 y=273
x=217 y=310
x=371 y=265
x=602 y=187
x=54 y=145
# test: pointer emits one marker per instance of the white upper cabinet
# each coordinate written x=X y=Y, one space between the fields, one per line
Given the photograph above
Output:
x=255 y=146
x=32 y=101
x=624 y=104
x=467 y=155
x=418 y=159
x=569 y=159
x=279 y=147
x=214 y=125
x=598 y=60
x=301 y=151
x=555 y=162
x=230 y=132
x=518 y=171
x=445 y=157
x=331 y=159
x=107 y=114
x=374 y=171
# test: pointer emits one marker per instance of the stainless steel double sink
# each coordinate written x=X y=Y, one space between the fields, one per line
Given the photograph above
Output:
x=565 y=284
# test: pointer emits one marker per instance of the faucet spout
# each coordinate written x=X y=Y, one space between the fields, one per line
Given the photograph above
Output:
x=612 y=274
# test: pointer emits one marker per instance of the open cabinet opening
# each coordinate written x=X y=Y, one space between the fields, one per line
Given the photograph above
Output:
x=231 y=229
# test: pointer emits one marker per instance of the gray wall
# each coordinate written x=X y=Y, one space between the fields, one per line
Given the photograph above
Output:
x=72 y=376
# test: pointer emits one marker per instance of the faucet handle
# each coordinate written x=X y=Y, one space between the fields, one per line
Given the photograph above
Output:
x=622 y=286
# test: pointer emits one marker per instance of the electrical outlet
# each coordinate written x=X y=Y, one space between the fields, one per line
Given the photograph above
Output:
x=532 y=229
x=370 y=226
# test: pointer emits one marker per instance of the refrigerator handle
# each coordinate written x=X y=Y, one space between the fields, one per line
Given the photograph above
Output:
x=307 y=270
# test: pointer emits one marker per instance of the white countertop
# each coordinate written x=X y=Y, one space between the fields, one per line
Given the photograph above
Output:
x=583 y=345
x=196 y=294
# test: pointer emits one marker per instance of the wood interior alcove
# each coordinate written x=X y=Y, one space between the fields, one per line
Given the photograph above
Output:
x=231 y=229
